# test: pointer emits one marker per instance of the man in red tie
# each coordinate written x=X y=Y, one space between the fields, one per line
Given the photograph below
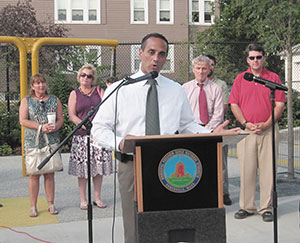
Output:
x=205 y=96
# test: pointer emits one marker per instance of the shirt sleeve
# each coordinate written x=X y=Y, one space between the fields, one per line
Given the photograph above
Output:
x=218 y=110
x=234 y=94
x=103 y=124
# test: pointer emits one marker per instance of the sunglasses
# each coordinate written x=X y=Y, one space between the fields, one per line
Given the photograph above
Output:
x=42 y=105
x=257 y=57
x=86 y=75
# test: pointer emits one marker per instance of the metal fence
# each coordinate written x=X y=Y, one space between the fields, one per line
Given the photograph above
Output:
x=60 y=64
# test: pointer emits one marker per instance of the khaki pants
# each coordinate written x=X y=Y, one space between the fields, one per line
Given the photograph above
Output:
x=255 y=154
x=126 y=186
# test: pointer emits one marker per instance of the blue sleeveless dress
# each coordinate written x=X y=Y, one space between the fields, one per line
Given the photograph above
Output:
x=37 y=114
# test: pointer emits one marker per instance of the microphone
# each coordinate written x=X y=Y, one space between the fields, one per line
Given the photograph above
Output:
x=265 y=82
x=151 y=75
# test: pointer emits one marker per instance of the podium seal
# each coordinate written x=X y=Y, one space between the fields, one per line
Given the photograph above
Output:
x=180 y=170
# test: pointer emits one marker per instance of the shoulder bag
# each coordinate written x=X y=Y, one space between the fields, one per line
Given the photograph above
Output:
x=34 y=156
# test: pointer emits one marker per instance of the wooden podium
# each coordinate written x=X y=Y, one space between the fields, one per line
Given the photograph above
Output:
x=178 y=187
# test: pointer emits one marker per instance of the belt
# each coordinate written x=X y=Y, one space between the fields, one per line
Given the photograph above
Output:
x=124 y=158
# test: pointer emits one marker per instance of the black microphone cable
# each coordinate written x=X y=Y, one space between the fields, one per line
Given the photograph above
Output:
x=115 y=170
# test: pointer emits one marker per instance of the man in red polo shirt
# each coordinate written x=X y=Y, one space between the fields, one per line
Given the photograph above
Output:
x=251 y=105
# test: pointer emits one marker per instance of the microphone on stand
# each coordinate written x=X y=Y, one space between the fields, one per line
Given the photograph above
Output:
x=151 y=75
x=265 y=82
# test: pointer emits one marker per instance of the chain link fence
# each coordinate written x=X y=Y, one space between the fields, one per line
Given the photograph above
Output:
x=61 y=63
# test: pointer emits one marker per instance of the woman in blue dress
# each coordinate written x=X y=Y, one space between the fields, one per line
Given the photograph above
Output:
x=33 y=113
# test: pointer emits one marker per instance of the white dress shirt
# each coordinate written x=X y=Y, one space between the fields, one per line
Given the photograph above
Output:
x=174 y=112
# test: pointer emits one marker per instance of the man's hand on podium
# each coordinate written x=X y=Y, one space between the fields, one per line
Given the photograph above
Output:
x=121 y=144
x=221 y=128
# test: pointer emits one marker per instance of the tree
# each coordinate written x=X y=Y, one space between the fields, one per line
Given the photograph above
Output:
x=272 y=22
x=20 y=20
x=280 y=32
x=229 y=36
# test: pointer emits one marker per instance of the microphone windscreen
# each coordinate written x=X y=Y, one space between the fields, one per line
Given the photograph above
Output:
x=248 y=76
x=154 y=74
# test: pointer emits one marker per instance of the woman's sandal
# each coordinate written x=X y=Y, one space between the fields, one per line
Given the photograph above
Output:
x=52 y=210
x=33 y=212
x=83 y=206
x=99 y=204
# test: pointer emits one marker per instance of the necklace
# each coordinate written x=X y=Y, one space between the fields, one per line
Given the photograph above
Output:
x=88 y=93
x=40 y=98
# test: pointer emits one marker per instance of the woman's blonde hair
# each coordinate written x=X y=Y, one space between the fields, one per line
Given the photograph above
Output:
x=89 y=67
x=35 y=78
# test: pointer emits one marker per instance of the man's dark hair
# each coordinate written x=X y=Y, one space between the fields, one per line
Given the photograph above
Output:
x=255 y=47
x=155 y=35
x=211 y=57
x=111 y=80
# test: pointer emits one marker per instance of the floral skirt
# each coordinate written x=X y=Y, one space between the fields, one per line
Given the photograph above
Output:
x=101 y=159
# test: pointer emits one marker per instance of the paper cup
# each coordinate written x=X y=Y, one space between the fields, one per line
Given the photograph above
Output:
x=51 y=118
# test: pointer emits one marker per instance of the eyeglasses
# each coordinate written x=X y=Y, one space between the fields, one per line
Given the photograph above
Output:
x=257 y=57
x=42 y=105
x=86 y=75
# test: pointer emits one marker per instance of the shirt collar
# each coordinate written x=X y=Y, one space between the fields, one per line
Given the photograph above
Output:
x=261 y=74
x=204 y=83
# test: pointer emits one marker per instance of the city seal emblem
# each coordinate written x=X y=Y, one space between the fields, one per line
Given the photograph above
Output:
x=180 y=170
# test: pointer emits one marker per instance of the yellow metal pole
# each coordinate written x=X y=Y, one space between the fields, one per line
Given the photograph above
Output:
x=23 y=78
x=33 y=45
x=63 y=41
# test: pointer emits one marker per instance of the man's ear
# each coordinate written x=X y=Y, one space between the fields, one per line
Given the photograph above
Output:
x=140 y=53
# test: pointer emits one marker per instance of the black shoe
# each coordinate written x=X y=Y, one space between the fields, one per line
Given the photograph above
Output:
x=241 y=214
x=226 y=200
x=267 y=216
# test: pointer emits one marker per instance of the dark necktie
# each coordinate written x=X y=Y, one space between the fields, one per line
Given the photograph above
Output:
x=152 y=112
x=203 y=105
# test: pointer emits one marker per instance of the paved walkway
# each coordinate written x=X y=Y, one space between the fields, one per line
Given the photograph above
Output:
x=73 y=224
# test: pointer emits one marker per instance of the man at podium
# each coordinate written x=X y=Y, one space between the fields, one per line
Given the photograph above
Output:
x=143 y=108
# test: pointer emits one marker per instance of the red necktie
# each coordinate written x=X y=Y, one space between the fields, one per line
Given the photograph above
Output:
x=203 y=105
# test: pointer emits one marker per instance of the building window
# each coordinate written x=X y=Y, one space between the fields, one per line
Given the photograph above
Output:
x=139 y=11
x=77 y=11
x=135 y=60
x=165 y=11
x=201 y=12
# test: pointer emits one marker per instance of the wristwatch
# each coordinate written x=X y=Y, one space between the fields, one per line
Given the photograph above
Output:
x=244 y=125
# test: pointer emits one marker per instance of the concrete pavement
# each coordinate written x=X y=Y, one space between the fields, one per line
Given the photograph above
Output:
x=73 y=224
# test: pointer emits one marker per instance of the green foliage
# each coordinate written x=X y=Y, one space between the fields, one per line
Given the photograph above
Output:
x=10 y=129
x=78 y=56
x=61 y=84
x=240 y=23
x=5 y=149
x=283 y=122
x=66 y=130
x=275 y=24
x=279 y=28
